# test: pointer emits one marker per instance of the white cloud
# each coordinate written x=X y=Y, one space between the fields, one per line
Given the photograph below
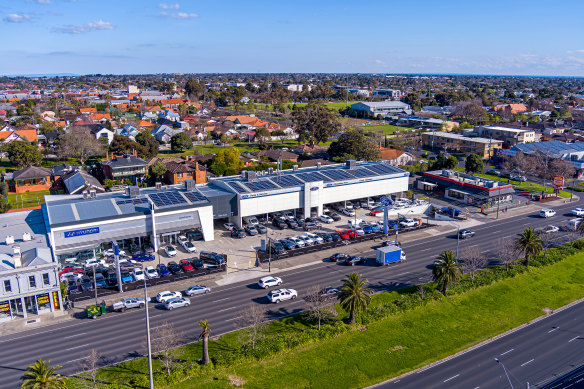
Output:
x=169 y=6
x=17 y=18
x=180 y=15
x=84 y=28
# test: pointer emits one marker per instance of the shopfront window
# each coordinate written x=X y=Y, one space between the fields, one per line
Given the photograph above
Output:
x=43 y=303
x=5 y=310
x=30 y=304
x=16 y=307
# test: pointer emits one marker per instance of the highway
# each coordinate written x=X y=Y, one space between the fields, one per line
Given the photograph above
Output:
x=121 y=336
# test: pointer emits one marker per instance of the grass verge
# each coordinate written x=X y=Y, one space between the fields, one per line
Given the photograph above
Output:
x=28 y=199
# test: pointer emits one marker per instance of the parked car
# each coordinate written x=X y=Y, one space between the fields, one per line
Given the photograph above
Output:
x=354 y=260
x=300 y=221
x=197 y=289
x=288 y=244
x=237 y=232
x=170 y=251
x=308 y=241
x=292 y=223
x=325 y=237
x=375 y=227
x=578 y=212
x=266 y=282
x=186 y=266
x=128 y=303
x=261 y=228
x=197 y=263
x=277 y=247
x=359 y=231
x=167 y=295
x=337 y=257
x=354 y=222
x=493 y=172
x=138 y=274
x=143 y=257
x=126 y=276
x=317 y=239
x=310 y=226
x=72 y=287
x=326 y=219
x=390 y=243
x=178 y=302
x=466 y=233
x=375 y=212
x=151 y=272
x=188 y=246
x=251 y=230
x=100 y=281
x=174 y=267
x=298 y=242
x=213 y=257
x=162 y=270
x=335 y=216
x=280 y=223
x=277 y=295
x=347 y=212
x=86 y=284
x=366 y=228
x=408 y=223
x=229 y=226
x=546 y=212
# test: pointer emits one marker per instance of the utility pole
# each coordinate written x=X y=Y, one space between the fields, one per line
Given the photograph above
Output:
x=457 y=242
x=505 y=370
x=148 y=333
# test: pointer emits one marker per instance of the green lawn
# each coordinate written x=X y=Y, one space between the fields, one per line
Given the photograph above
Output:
x=385 y=348
x=29 y=199
x=388 y=129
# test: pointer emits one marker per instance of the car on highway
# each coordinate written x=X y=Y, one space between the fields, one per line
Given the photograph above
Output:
x=197 y=289
x=128 y=303
x=549 y=229
x=329 y=292
x=229 y=226
x=174 y=267
x=335 y=216
x=167 y=295
x=269 y=281
x=546 y=212
x=143 y=257
x=177 y=302
x=188 y=246
x=573 y=223
x=347 y=212
x=466 y=233
x=326 y=219
x=162 y=270
x=354 y=260
x=277 y=295
x=138 y=274
x=338 y=257
x=170 y=251
x=186 y=265
x=578 y=212
x=390 y=243
x=151 y=272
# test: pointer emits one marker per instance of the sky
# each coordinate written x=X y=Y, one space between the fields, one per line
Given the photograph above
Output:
x=511 y=37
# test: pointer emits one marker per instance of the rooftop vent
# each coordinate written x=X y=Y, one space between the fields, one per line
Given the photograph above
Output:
x=158 y=185
x=270 y=170
x=132 y=191
x=250 y=175
x=318 y=164
x=190 y=184
x=85 y=194
x=295 y=168
x=93 y=193
x=351 y=163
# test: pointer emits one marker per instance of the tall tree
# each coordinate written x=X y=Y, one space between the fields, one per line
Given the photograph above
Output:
x=23 y=154
x=121 y=144
x=446 y=270
x=506 y=252
x=149 y=145
x=252 y=319
x=78 y=144
x=157 y=169
x=164 y=339
x=194 y=89
x=353 y=142
x=181 y=142
x=4 y=204
x=206 y=331
x=315 y=121
x=473 y=164
x=528 y=243
x=473 y=259
x=319 y=306
x=354 y=296
x=41 y=375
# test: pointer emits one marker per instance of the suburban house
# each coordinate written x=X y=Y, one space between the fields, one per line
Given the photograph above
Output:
x=391 y=93
x=510 y=108
x=100 y=132
x=10 y=134
x=125 y=167
x=307 y=149
x=447 y=141
x=177 y=172
x=163 y=133
x=315 y=162
x=381 y=108
x=277 y=155
x=78 y=181
x=395 y=157
x=30 y=179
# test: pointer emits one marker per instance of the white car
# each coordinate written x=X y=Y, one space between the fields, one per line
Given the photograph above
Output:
x=162 y=297
x=298 y=242
x=277 y=295
x=111 y=253
x=315 y=238
x=189 y=246
x=151 y=272
x=325 y=219
x=408 y=223
x=575 y=212
x=181 y=239
x=307 y=240
x=348 y=205
x=359 y=230
x=354 y=222
x=138 y=274
x=266 y=282
x=70 y=261
x=95 y=262
x=178 y=302
x=547 y=212
x=197 y=289
x=170 y=251
x=289 y=215
x=347 y=212
x=229 y=226
x=550 y=229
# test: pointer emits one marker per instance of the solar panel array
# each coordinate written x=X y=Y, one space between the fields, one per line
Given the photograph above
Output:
x=195 y=196
x=138 y=201
x=287 y=180
x=339 y=175
x=382 y=169
x=260 y=185
x=164 y=199
x=236 y=186
x=362 y=172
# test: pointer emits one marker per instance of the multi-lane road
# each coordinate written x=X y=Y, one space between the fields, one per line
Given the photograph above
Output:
x=120 y=336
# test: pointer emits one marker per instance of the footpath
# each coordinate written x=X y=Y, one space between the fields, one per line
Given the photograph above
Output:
x=246 y=270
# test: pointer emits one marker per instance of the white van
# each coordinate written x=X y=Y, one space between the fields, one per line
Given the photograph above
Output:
x=251 y=220
x=547 y=212
x=573 y=224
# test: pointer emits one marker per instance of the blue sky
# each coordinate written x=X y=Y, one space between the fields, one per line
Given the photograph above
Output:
x=434 y=36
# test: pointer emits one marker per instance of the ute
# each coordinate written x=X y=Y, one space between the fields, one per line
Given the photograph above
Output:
x=128 y=303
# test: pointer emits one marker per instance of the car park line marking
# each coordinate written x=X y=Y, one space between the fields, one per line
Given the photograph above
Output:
x=73 y=348
x=227 y=309
x=531 y=360
x=553 y=329
x=451 y=378
x=72 y=336
x=573 y=339
x=508 y=351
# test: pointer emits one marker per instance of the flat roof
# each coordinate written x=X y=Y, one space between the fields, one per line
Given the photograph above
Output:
x=551 y=146
x=499 y=128
x=462 y=137
x=19 y=223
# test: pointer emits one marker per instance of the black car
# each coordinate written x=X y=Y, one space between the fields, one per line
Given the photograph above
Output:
x=338 y=257
x=354 y=260
x=300 y=222
x=237 y=232
x=493 y=172
x=310 y=226
x=277 y=247
x=174 y=267
x=288 y=245
x=335 y=237
x=100 y=281
x=466 y=233
x=335 y=216
x=310 y=220
x=280 y=223
x=112 y=278
x=213 y=257
x=325 y=237
x=86 y=284
x=261 y=228
x=72 y=288
x=292 y=223
x=197 y=263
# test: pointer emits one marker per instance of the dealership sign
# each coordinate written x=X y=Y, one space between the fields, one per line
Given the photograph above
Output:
x=85 y=231
x=558 y=181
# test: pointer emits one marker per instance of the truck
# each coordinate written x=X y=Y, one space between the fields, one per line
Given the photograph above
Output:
x=128 y=303
x=389 y=254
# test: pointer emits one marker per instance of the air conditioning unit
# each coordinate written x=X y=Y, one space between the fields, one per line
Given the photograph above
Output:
x=190 y=184
x=158 y=185
x=93 y=193
x=351 y=163
x=295 y=168
x=132 y=191
x=85 y=195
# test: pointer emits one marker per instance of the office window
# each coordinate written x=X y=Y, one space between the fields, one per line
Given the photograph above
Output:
x=32 y=281
x=46 y=280
x=7 y=286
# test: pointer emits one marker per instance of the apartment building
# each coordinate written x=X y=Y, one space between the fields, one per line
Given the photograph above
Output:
x=447 y=141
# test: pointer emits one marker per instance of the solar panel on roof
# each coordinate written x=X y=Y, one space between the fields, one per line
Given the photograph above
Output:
x=236 y=186
x=163 y=199
x=382 y=168
x=362 y=172
x=261 y=185
x=338 y=174
x=313 y=177
x=132 y=201
x=287 y=180
x=195 y=196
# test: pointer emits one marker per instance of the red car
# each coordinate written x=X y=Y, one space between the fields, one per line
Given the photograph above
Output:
x=186 y=265
x=347 y=234
x=375 y=212
x=70 y=269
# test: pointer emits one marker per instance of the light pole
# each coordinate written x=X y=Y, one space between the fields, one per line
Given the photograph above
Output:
x=457 y=242
x=148 y=331
x=505 y=370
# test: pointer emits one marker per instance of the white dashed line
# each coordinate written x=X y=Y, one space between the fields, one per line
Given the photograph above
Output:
x=226 y=298
x=573 y=339
x=235 y=318
x=531 y=360
x=508 y=351
x=227 y=309
x=74 y=360
x=451 y=378
x=72 y=336
x=73 y=348
x=553 y=329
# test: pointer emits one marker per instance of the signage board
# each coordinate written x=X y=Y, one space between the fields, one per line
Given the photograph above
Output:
x=56 y=303
x=4 y=307
x=43 y=299
x=82 y=232
x=558 y=180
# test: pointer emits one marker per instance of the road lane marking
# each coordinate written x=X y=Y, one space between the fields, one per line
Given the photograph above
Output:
x=72 y=336
x=226 y=309
x=553 y=329
x=73 y=348
x=508 y=351
x=573 y=339
x=395 y=382
x=401 y=274
x=451 y=378
x=531 y=360
x=226 y=298
x=235 y=318
x=74 y=360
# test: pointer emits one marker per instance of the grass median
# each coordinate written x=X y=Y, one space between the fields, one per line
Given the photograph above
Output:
x=379 y=349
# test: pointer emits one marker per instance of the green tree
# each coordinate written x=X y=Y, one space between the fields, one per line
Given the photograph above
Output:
x=315 y=121
x=149 y=144
x=354 y=296
x=354 y=142
x=123 y=145
x=529 y=244
x=218 y=168
x=205 y=336
x=4 y=204
x=157 y=169
x=474 y=164
x=23 y=154
x=194 y=89
x=229 y=156
x=181 y=142
x=446 y=271
x=262 y=135
x=450 y=162
x=40 y=375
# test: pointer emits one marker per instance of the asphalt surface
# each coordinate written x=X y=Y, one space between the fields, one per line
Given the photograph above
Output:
x=121 y=336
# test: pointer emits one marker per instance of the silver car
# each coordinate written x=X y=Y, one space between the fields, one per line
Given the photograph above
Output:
x=197 y=289
x=177 y=302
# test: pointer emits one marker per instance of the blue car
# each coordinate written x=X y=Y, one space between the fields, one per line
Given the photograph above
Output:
x=162 y=270
x=451 y=211
x=367 y=228
x=126 y=277
x=375 y=228
x=143 y=257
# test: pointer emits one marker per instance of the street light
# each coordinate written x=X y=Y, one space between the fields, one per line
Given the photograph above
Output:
x=505 y=370
x=457 y=242
x=148 y=331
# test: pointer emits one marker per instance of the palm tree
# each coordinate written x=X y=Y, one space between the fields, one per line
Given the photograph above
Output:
x=40 y=375
x=354 y=296
x=528 y=243
x=446 y=270
x=205 y=336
